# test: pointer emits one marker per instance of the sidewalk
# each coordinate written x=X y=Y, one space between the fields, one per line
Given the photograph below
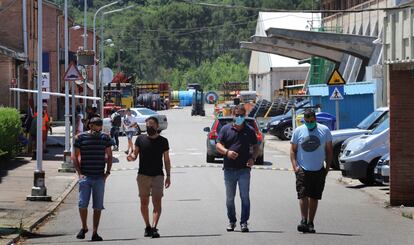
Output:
x=16 y=181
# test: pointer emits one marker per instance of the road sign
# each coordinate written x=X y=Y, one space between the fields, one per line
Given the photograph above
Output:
x=336 y=79
x=336 y=92
x=45 y=85
x=72 y=74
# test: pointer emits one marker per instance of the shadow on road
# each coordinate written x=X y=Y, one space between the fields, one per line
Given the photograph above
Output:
x=212 y=235
x=335 y=234
x=263 y=231
x=9 y=165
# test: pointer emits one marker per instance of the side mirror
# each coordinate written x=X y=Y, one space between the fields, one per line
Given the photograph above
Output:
x=206 y=129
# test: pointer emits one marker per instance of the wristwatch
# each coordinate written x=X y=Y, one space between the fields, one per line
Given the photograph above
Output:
x=108 y=172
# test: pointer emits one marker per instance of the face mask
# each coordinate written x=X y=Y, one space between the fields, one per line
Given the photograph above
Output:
x=310 y=125
x=239 y=120
x=151 y=131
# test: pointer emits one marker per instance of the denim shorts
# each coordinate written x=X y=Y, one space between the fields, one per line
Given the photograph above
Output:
x=94 y=185
x=130 y=134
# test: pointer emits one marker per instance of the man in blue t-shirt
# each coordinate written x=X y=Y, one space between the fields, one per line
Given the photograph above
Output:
x=234 y=142
x=311 y=145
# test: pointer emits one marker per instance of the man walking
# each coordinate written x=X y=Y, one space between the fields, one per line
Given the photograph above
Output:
x=92 y=146
x=130 y=124
x=116 y=121
x=234 y=142
x=151 y=148
x=311 y=145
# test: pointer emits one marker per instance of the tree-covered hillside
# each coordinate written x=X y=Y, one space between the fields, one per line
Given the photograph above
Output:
x=178 y=42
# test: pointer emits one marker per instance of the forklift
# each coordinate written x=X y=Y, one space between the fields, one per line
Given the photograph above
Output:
x=198 y=100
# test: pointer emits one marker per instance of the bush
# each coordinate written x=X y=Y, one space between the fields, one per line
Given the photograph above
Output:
x=10 y=129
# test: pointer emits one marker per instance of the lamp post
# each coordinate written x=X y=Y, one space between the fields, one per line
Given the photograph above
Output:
x=101 y=63
x=39 y=191
x=94 y=46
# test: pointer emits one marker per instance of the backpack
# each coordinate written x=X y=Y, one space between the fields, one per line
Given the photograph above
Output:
x=116 y=122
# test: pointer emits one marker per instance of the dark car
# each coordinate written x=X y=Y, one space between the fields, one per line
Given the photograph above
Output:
x=213 y=132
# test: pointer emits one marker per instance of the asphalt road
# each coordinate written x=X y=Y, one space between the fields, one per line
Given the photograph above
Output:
x=194 y=206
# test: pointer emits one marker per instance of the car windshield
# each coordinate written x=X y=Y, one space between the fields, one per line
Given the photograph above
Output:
x=223 y=122
x=369 y=120
x=145 y=111
x=383 y=126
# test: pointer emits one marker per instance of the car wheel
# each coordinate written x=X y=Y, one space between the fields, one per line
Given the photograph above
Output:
x=335 y=160
x=259 y=160
x=209 y=159
x=286 y=132
x=370 y=178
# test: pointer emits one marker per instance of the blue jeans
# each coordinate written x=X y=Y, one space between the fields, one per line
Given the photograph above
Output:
x=231 y=178
x=95 y=186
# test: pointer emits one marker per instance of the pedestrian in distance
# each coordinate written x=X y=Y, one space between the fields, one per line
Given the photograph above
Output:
x=234 y=142
x=130 y=125
x=92 y=146
x=311 y=145
x=152 y=150
x=116 y=122
x=79 y=120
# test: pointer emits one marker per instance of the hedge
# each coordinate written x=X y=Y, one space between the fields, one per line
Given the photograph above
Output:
x=10 y=129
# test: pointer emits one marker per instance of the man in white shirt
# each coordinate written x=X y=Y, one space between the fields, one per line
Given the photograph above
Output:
x=130 y=124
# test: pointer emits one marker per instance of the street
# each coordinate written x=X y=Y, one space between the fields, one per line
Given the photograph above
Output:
x=194 y=206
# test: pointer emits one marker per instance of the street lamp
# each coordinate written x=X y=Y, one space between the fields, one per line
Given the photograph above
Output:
x=101 y=63
x=94 y=46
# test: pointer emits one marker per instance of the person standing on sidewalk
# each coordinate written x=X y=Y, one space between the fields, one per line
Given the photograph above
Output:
x=92 y=146
x=151 y=148
x=234 y=142
x=116 y=122
x=311 y=145
x=130 y=124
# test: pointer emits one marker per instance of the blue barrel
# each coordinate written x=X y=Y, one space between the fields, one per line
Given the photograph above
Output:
x=185 y=97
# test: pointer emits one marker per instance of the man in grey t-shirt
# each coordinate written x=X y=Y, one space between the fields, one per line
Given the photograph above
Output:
x=311 y=145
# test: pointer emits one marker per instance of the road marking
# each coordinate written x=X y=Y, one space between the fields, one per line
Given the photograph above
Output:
x=210 y=166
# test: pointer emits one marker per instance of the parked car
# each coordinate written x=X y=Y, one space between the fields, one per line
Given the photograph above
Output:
x=361 y=154
x=141 y=114
x=281 y=126
x=382 y=170
x=213 y=132
x=369 y=123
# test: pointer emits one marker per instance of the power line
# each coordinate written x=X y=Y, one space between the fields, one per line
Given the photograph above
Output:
x=213 y=5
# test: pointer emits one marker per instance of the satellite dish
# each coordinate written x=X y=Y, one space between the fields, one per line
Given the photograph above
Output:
x=107 y=75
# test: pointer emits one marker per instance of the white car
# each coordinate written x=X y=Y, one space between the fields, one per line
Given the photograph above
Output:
x=382 y=171
x=141 y=114
x=361 y=154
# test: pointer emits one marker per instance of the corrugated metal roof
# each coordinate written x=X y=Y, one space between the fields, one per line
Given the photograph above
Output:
x=12 y=53
x=349 y=89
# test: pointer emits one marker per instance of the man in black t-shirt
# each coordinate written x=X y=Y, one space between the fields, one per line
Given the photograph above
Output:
x=234 y=142
x=151 y=148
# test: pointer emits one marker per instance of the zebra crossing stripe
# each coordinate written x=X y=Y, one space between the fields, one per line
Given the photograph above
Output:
x=210 y=166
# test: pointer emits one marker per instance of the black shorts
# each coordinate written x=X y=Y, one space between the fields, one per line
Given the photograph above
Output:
x=310 y=183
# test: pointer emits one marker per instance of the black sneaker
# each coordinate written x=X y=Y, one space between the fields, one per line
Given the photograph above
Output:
x=96 y=238
x=231 y=226
x=244 y=227
x=148 y=231
x=303 y=226
x=155 y=233
x=81 y=234
x=126 y=152
x=311 y=227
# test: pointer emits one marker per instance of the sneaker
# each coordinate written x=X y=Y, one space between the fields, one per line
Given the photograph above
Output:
x=311 y=227
x=244 y=227
x=231 y=226
x=148 y=231
x=155 y=233
x=81 y=234
x=96 y=238
x=116 y=148
x=127 y=152
x=303 y=227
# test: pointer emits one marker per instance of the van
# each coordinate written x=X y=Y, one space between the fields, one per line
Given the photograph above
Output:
x=361 y=154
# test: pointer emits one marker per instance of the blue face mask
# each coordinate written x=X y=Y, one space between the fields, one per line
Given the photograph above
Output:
x=310 y=125
x=239 y=120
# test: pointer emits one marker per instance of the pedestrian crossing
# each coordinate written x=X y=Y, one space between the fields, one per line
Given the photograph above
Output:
x=208 y=166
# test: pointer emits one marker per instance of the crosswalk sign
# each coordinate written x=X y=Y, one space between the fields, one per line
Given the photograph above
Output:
x=336 y=79
x=336 y=92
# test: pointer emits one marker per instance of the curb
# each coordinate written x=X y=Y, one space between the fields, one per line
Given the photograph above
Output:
x=37 y=219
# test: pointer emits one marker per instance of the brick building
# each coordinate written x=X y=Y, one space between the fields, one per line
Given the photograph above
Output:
x=13 y=57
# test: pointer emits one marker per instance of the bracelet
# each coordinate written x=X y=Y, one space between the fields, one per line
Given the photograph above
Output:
x=227 y=151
